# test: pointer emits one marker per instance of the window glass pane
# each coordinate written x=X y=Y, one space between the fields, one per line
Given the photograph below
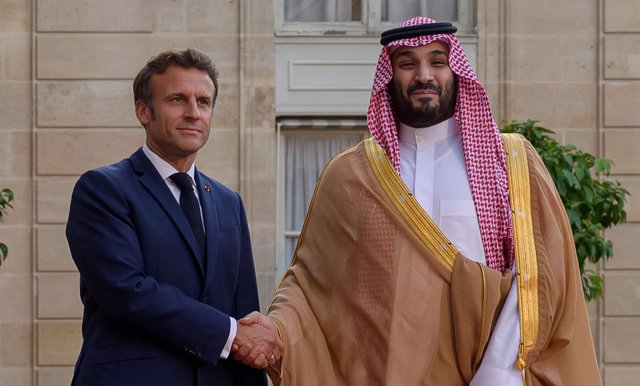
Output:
x=289 y=248
x=305 y=158
x=322 y=10
x=401 y=10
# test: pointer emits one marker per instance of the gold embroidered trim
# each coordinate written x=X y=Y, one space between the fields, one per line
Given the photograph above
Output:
x=484 y=288
x=424 y=227
x=524 y=245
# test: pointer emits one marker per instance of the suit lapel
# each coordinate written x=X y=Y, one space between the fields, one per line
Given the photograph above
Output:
x=153 y=183
x=210 y=215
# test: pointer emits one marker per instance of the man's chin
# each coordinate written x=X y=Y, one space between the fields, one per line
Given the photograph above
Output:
x=425 y=104
x=425 y=110
x=191 y=146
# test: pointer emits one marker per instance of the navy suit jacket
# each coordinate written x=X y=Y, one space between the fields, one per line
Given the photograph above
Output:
x=152 y=314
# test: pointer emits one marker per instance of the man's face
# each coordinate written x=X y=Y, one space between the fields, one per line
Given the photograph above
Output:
x=178 y=121
x=423 y=90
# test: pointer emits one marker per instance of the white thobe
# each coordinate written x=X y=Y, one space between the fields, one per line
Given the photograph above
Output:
x=433 y=168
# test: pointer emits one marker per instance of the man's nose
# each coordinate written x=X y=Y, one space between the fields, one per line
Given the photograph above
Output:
x=192 y=110
x=424 y=74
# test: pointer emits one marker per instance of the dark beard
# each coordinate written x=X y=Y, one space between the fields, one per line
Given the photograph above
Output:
x=424 y=115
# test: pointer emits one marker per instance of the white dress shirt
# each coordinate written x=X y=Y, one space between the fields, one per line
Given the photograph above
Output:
x=166 y=170
x=432 y=166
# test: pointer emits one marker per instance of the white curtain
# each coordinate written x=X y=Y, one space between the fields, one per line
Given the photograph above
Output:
x=392 y=10
x=305 y=157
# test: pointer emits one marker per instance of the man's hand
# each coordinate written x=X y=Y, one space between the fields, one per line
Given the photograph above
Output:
x=257 y=343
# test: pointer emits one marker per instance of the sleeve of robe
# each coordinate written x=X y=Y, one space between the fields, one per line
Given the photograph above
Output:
x=564 y=353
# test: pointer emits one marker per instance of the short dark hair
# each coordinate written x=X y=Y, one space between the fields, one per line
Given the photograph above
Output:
x=189 y=58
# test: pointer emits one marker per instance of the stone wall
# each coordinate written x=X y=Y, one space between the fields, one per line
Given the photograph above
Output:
x=66 y=68
x=16 y=143
x=619 y=124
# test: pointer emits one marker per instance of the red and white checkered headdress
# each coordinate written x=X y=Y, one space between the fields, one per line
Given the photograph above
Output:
x=481 y=142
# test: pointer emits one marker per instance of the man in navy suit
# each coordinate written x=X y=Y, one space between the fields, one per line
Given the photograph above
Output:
x=165 y=265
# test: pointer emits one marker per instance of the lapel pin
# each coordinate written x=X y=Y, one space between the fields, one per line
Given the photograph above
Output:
x=207 y=188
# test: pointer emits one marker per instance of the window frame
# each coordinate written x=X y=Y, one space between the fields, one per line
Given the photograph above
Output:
x=371 y=23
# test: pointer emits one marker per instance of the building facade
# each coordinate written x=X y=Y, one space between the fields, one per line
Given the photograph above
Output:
x=294 y=81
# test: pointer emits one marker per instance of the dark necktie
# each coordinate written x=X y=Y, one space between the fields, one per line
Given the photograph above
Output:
x=191 y=207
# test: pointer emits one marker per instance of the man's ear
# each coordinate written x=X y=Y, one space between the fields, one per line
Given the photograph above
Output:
x=143 y=112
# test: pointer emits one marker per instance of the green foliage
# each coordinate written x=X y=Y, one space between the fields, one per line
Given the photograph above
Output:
x=593 y=204
x=6 y=196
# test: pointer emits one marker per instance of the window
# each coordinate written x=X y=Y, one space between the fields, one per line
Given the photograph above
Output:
x=322 y=10
x=304 y=148
x=358 y=17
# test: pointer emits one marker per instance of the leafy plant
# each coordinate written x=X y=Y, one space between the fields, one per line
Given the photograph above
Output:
x=6 y=196
x=593 y=204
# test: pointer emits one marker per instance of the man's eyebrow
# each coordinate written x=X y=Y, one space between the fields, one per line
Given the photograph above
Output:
x=439 y=52
x=406 y=53
x=411 y=53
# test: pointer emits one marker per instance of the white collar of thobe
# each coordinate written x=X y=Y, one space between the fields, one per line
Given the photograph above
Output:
x=428 y=135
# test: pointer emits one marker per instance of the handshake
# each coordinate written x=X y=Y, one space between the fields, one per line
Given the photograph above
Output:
x=257 y=343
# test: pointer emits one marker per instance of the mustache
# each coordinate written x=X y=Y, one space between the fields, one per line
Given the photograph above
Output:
x=423 y=86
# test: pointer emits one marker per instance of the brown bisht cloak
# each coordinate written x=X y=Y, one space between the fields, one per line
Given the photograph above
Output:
x=377 y=295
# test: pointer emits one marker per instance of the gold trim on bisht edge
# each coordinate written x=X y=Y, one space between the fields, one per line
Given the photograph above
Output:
x=524 y=245
x=409 y=208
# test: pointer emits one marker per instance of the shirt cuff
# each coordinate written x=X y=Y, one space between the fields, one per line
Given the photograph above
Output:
x=232 y=336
